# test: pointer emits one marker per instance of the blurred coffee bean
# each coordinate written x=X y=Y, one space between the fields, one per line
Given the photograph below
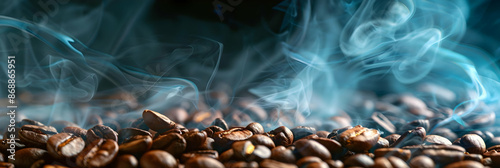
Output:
x=359 y=139
x=492 y=150
x=383 y=123
x=205 y=153
x=415 y=106
x=224 y=139
x=125 y=161
x=252 y=109
x=414 y=124
x=237 y=118
x=101 y=132
x=403 y=154
x=139 y=123
x=411 y=137
x=136 y=145
x=282 y=136
x=255 y=128
x=27 y=156
x=268 y=163
x=112 y=124
x=126 y=133
x=336 y=132
x=77 y=131
x=158 y=158
x=59 y=125
x=312 y=148
x=65 y=145
x=173 y=143
x=359 y=160
x=29 y=122
x=390 y=162
x=157 y=121
x=92 y=119
x=436 y=140
x=443 y=157
x=493 y=142
x=422 y=162
x=242 y=164
x=227 y=156
x=99 y=153
x=177 y=115
x=465 y=163
x=304 y=161
x=485 y=135
x=473 y=157
x=302 y=131
x=381 y=143
x=333 y=147
x=212 y=130
x=259 y=139
x=472 y=143
x=392 y=138
x=242 y=149
x=445 y=132
x=194 y=139
x=220 y=123
x=203 y=162
x=36 y=136
x=281 y=154
x=322 y=134
x=6 y=165
x=203 y=117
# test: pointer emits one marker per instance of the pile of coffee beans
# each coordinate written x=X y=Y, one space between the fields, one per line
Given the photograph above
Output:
x=204 y=139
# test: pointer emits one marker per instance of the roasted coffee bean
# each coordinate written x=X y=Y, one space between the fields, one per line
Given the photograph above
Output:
x=139 y=123
x=259 y=139
x=445 y=132
x=465 y=163
x=336 y=132
x=436 y=140
x=6 y=165
x=282 y=136
x=404 y=154
x=302 y=131
x=205 y=153
x=253 y=110
x=312 y=148
x=157 y=121
x=443 y=157
x=245 y=150
x=304 y=161
x=392 y=138
x=158 y=158
x=177 y=115
x=359 y=160
x=282 y=154
x=8 y=143
x=414 y=124
x=203 y=162
x=40 y=164
x=268 y=163
x=359 y=139
x=227 y=156
x=173 y=143
x=101 y=132
x=220 y=123
x=93 y=119
x=212 y=130
x=242 y=164
x=29 y=122
x=334 y=163
x=65 y=145
x=125 y=161
x=27 y=156
x=2 y=157
x=422 y=162
x=59 y=125
x=472 y=143
x=136 y=145
x=255 y=128
x=322 y=134
x=224 y=139
x=333 y=147
x=112 y=124
x=414 y=105
x=492 y=142
x=411 y=137
x=473 y=157
x=126 y=133
x=381 y=143
x=389 y=162
x=77 y=131
x=383 y=123
x=195 y=140
x=36 y=136
x=98 y=153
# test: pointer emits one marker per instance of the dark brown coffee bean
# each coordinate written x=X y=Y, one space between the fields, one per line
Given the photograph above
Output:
x=389 y=162
x=465 y=163
x=173 y=143
x=220 y=123
x=195 y=140
x=212 y=130
x=59 y=125
x=359 y=139
x=203 y=162
x=112 y=124
x=92 y=119
x=335 y=163
x=302 y=131
x=422 y=162
x=77 y=131
x=6 y=165
x=392 y=138
x=125 y=161
x=99 y=153
x=436 y=140
x=268 y=163
x=224 y=139
x=136 y=145
x=139 y=123
x=304 y=161
x=27 y=156
x=282 y=136
x=226 y=156
x=281 y=154
x=411 y=137
x=443 y=157
x=473 y=157
x=158 y=158
x=36 y=136
x=40 y=164
x=177 y=129
x=404 y=154
x=260 y=139
x=205 y=153
x=29 y=122
x=242 y=164
x=414 y=105
x=414 y=124
x=472 y=143
x=157 y=121
x=177 y=115
x=242 y=149
x=256 y=128
x=336 y=132
x=322 y=134
x=126 y=133
x=65 y=145
x=333 y=147
x=312 y=148
x=359 y=160
x=101 y=132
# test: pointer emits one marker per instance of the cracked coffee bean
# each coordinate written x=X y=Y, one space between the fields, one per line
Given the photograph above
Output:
x=195 y=140
x=157 y=121
x=264 y=140
x=36 y=136
x=101 y=132
x=77 y=131
x=126 y=133
x=136 y=145
x=359 y=139
x=99 y=153
x=224 y=139
x=65 y=145
x=282 y=136
x=158 y=158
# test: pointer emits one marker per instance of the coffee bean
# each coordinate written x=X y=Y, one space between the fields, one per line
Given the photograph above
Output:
x=282 y=136
x=322 y=134
x=411 y=137
x=381 y=143
x=389 y=162
x=157 y=121
x=422 y=162
x=268 y=163
x=445 y=132
x=126 y=133
x=36 y=136
x=77 y=131
x=359 y=139
x=195 y=140
x=27 y=156
x=112 y=124
x=205 y=153
x=203 y=162
x=492 y=150
x=392 y=138
x=359 y=160
x=281 y=154
x=336 y=132
x=7 y=144
x=302 y=131
x=259 y=139
x=212 y=130
x=383 y=123
x=255 y=128
x=173 y=143
x=443 y=157
x=177 y=114
x=136 y=145
x=220 y=123
x=101 y=132
x=93 y=119
x=29 y=122
x=98 y=153
x=242 y=149
x=158 y=158
x=473 y=157
x=466 y=163
x=224 y=139
x=304 y=161
x=253 y=110
x=242 y=164
x=226 y=156
x=414 y=124
x=333 y=147
x=436 y=140
x=65 y=145
x=335 y=163
x=6 y=165
x=312 y=148
x=59 y=125
x=403 y=154
x=125 y=161
x=472 y=143
x=139 y=123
